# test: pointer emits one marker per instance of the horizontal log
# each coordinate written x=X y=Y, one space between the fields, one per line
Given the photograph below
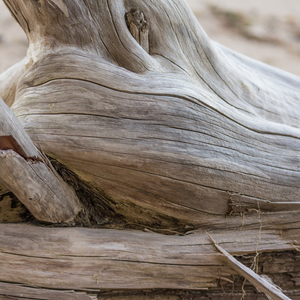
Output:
x=95 y=259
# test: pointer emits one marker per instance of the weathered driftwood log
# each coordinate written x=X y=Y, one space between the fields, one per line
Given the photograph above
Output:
x=61 y=260
x=173 y=133
x=174 y=130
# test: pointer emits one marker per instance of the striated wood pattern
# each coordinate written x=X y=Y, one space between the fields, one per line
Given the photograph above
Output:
x=27 y=172
x=61 y=260
x=171 y=132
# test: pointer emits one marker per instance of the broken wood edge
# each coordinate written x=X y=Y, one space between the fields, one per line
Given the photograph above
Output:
x=27 y=172
x=138 y=27
x=258 y=281
x=84 y=259
x=45 y=195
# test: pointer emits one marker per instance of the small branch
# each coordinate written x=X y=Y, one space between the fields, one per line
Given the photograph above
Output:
x=27 y=172
x=259 y=282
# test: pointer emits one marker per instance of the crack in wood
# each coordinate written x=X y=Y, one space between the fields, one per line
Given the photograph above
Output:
x=10 y=143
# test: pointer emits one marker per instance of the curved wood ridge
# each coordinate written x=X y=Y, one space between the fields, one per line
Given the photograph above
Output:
x=173 y=132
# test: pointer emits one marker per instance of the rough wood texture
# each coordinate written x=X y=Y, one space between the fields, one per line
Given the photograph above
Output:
x=90 y=260
x=29 y=175
x=170 y=133
x=260 y=282
x=175 y=130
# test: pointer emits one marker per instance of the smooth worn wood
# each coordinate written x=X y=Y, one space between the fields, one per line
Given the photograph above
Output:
x=169 y=132
x=9 y=81
x=26 y=171
x=172 y=130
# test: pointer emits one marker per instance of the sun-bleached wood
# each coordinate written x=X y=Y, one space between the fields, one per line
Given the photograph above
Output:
x=95 y=259
x=9 y=80
x=27 y=172
x=176 y=131
x=173 y=133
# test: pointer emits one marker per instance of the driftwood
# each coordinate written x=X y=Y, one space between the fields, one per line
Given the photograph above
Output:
x=158 y=126
x=178 y=132
x=28 y=173
x=93 y=260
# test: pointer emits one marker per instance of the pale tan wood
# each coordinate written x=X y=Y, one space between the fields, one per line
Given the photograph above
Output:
x=176 y=131
x=8 y=290
x=9 y=81
x=83 y=259
x=27 y=172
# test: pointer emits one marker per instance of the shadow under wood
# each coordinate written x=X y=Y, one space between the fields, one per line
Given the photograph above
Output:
x=12 y=210
x=97 y=210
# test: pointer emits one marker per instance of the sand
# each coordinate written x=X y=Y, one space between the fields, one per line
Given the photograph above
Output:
x=266 y=30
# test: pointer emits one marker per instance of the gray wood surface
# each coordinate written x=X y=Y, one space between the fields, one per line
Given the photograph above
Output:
x=173 y=132
x=88 y=260
x=27 y=172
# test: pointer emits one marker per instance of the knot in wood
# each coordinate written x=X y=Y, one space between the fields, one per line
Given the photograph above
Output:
x=137 y=18
x=138 y=27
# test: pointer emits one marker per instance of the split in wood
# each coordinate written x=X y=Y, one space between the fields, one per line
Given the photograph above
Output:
x=260 y=282
x=139 y=27
x=27 y=172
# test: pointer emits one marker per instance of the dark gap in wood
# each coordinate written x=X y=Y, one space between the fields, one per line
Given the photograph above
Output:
x=13 y=210
x=10 y=143
x=97 y=210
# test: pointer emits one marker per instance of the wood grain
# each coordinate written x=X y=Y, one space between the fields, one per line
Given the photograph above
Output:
x=94 y=259
x=26 y=172
x=175 y=131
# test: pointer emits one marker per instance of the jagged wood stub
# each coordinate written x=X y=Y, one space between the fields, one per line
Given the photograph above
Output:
x=27 y=172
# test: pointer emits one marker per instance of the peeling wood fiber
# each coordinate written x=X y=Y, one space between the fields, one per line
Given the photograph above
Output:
x=50 y=262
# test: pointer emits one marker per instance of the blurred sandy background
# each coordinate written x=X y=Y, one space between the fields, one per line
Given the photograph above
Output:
x=267 y=30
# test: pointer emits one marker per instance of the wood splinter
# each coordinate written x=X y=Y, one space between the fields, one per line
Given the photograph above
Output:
x=261 y=283
x=139 y=27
